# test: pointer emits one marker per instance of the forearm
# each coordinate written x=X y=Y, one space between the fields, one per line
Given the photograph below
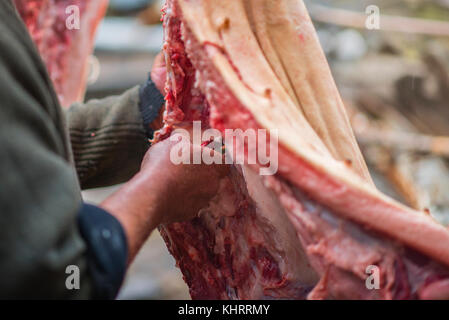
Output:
x=162 y=193
x=137 y=205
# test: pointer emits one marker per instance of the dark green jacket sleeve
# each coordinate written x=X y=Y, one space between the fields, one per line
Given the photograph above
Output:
x=39 y=192
x=108 y=139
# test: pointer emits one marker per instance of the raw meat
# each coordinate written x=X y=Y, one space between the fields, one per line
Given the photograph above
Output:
x=318 y=227
x=64 y=51
x=232 y=263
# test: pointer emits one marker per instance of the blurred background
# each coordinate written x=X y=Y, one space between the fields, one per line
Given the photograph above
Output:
x=394 y=82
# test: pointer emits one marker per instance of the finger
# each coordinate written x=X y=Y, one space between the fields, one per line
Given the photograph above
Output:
x=159 y=72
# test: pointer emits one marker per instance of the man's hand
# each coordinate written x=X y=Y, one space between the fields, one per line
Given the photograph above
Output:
x=184 y=189
x=163 y=192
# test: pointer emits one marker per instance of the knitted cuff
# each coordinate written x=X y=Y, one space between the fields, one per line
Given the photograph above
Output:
x=151 y=102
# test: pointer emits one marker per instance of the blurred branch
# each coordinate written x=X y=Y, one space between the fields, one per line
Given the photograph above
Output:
x=354 y=19
x=404 y=141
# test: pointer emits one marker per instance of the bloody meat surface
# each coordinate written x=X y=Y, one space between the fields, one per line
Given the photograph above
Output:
x=230 y=251
x=65 y=51
x=305 y=232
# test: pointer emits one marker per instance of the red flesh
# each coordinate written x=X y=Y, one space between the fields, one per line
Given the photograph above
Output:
x=338 y=250
x=64 y=51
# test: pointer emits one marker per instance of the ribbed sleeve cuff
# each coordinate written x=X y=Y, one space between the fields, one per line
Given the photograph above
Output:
x=107 y=250
x=150 y=104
